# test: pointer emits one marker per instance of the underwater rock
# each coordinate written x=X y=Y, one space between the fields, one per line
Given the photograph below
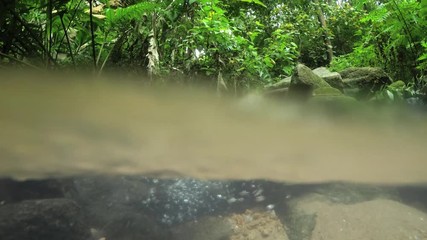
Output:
x=43 y=219
x=117 y=206
x=252 y=224
x=206 y=228
x=17 y=191
x=350 y=193
x=255 y=224
x=372 y=219
x=160 y=201
x=132 y=207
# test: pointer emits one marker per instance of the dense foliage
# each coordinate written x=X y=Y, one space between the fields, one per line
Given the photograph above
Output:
x=237 y=44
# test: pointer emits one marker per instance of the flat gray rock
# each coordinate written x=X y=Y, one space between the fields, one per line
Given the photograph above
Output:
x=43 y=219
x=333 y=78
x=375 y=219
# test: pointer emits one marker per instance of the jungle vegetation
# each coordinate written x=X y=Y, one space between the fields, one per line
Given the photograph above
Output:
x=244 y=43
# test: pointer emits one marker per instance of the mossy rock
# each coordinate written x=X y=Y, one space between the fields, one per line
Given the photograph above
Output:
x=338 y=99
x=327 y=91
x=334 y=104
x=331 y=95
x=364 y=82
x=305 y=76
x=333 y=78
x=304 y=81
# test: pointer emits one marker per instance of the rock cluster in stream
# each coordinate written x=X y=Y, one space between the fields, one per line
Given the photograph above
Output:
x=353 y=83
x=137 y=207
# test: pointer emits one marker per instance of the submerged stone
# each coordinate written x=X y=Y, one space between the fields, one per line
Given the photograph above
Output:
x=43 y=219
x=374 y=219
x=327 y=91
x=252 y=224
x=331 y=97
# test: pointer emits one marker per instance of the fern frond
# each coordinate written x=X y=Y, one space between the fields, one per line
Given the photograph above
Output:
x=379 y=15
x=423 y=5
x=133 y=12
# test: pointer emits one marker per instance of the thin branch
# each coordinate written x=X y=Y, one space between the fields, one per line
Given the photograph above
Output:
x=92 y=32
x=72 y=19
x=49 y=30
x=68 y=39
x=104 y=62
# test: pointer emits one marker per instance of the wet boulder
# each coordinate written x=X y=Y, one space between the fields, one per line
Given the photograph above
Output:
x=304 y=81
x=251 y=224
x=276 y=93
x=279 y=89
x=206 y=228
x=327 y=91
x=16 y=191
x=332 y=101
x=255 y=224
x=363 y=82
x=284 y=83
x=43 y=219
x=317 y=217
x=138 y=207
x=333 y=78
x=331 y=95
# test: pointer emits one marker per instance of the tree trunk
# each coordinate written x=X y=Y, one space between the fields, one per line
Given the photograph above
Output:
x=322 y=20
x=153 y=54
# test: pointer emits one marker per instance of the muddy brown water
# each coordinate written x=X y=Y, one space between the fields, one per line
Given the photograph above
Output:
x=60 y=127
x=182 y=163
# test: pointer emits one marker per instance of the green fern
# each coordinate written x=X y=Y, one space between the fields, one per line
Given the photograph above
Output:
x=133 y=12
x=379 y=15
x=423 y=58
x=424 y=8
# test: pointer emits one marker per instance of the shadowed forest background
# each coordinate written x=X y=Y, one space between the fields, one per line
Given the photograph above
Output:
x=237 y=45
